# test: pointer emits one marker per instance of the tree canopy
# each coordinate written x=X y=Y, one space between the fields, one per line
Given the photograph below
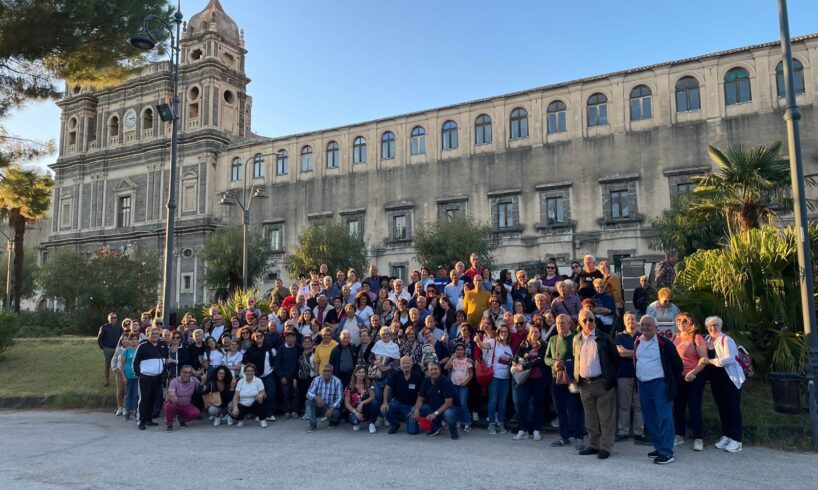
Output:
x=446 y=242
x=222 y=253
x=327 y=243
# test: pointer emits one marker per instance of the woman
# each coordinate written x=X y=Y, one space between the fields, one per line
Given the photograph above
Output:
x=552 y=277
x=519 y=309
x=213 y=356
x=576 y=272
x=446 y=317
x=414 y=279
x=306 y=371
x=726 y=379
x=560 y=356
x=232 y=360
x=365 y=349
x=383 y=296
x=692 y=350
x=662 y=309
x=497 y=354
x=129 y=379
x=499 y=289
x=245 y=339
x=386 y=311
x=460 y=317
x=403 y=311
x=487 y=281
x=384 y=358
x=358 y=398
x=177 y=356
x=461 y=371
x=549 y=325
x=305 y=323
x=362 y=309
x=531 y=355
x=249 y=397
x=426 y=276
x=352 y=282
x=235 y=327
x=218 y=381
x=116 y=368
x=410 y=346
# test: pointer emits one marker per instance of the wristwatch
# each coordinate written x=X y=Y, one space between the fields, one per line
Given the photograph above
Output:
x=436 y=413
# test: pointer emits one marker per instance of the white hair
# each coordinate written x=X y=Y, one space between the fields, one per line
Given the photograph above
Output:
x=714 y=319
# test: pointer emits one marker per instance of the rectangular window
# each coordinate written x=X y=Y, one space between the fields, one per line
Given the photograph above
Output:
x=187 y=283
x=307 y=162
x=399 y=227
x=354 y=228
x=555 y=209
x=275 y=239
x=418 y=145
x=685 y=188
x=505 y=215
x=281 y=164
x=189 y=195
x=123 y=215
x=619 y=204
x=556 y=122
x=398 y=271
x=65 y=214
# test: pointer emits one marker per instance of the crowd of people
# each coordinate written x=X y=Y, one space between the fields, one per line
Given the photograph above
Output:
x=449 y=351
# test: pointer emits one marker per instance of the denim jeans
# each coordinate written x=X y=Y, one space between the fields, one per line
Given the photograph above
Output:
x=269 y=388
x=369 y=411
x=463 y=409
x=450 y=415
x=657 y=411
x=498 y=395
x=569 y=411
x=378 y=386
x=397 y=409
x=314 y=411
x=533 y=390
x=131 y=394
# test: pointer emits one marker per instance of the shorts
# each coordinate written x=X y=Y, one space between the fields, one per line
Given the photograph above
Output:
x=109 y=354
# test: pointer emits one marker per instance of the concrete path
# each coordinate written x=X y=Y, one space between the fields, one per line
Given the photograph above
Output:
x=74 y=449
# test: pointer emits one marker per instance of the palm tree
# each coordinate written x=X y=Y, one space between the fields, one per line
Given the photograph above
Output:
x=25 y=196
x=746 y=185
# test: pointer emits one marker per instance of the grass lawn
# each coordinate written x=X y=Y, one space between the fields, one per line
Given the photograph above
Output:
x=66 y=372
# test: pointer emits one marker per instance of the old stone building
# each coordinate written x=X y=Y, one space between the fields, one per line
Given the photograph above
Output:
x=559 y=171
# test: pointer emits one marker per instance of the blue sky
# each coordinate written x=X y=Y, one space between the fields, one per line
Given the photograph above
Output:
x=323 y=63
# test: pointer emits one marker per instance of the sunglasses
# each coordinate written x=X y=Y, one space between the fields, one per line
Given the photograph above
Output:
x=519 y=323
x=550 y=268
x=589 y=320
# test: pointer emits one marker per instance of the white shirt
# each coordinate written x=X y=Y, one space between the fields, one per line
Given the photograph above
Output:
x=648 y=360
x=589 y=366
x=502 y=358
x=217 y=332
x=217 y=358
x=233 y=362
x=248 y=391
x=403 y=294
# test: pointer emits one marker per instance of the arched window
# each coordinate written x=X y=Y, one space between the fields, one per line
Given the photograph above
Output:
x=388 y=145
x=449 y=135
x=519 y=123
x=258 y=166
x=147 y=119
x=556 y=117
x=418 y=142
x=333 y=155
x=797 y=78
x=687 y=95
x=359 y=150
x=597 y=110
x=737 y=87
x=482 y=130
x=113 y=129
x=640 y=103
x=235 y=169
x=307 y=159
x=282 y=162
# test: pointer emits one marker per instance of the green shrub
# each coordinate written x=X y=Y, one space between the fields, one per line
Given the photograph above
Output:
x=9 y=326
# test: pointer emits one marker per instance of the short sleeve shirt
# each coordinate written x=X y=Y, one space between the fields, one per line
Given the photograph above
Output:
x=403 y=390
x=435 y=394
x=184 y=391
x=625 y=367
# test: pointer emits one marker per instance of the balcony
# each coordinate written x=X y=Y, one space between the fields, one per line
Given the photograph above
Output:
x=147 y=134
x=193 y=123
x=113 y=140
x=130 y=137
x=92 y=146
x=71 y=149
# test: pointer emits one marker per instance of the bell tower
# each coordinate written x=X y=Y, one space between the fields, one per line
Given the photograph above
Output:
x=213 y=85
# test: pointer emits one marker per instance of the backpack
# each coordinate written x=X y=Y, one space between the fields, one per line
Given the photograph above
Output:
x=742 y=358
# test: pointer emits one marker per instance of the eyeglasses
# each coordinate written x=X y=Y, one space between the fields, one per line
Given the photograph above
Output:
x=519 y=323
x=575 y=266
x=550 y=268
x=589 y=320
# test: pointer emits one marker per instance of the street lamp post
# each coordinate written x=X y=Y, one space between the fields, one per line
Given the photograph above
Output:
x=229 y=199
x=792 y=115
x=9 y=251
x=145 y=41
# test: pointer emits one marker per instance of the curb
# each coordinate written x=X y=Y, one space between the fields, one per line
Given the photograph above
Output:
x=65 y=400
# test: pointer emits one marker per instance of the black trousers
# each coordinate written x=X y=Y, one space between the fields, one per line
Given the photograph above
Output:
x=256 y=409
x=289 y=397
x=728 y=401
x=148 y=388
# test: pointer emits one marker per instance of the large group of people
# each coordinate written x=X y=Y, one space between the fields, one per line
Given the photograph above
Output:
x=450 y=350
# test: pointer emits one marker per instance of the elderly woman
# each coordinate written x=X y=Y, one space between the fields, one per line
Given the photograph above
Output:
x=383 y=359
x=249 y=397
x=726 y=379
x=692 y=350
x=531 y=355
x=604 y=307
x=560 y=356
x=567 y=302
x=662 y=309
x=410 y=346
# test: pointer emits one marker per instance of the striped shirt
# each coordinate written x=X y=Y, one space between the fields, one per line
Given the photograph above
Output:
x=331 y=392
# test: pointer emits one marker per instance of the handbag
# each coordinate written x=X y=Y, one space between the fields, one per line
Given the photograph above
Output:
x=212 y=399
x=521 y=376
x=562 y=377
x=483 y=372
x=373 y=372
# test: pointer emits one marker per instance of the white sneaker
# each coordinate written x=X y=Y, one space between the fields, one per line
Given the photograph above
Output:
x=240 y=423
x=211 y=417
x=467 y=428
x=217 y=421
x=271 y=418
x=475 y=417
x=555 y=424
x=119 y=412
x=294 y=415
x=372 y=429
x=698 y=445
x=356 y=428
x=492 y=429
x=537 y=435
x=305 y=417
x=322 y=419
x=723 y=442
x=678 y=441
x=521 y=435
x=733 y=447
x=263 y=424
x=229 y=420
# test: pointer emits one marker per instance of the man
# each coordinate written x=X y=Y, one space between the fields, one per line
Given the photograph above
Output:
x=242 y=314
x=321 y=310
x=180 y=396
x=436 y=401
x=613 y=286
x=666 y=270
x=149 y=365
x=595 y=361
x=374 y=279
x=344 y=358
x=279 y=292
x=460 y=268
x=476 y=269
x=315 y=290
x=251 y=306
x=587 y=276
x=286 y=368
x=323 y=351
x=519 y=290
x=323 y=270
x=324 y=399
x=658 y=365
x=475 y=302
x=454 y=289
x=626 y=384
x=330 y=289
x=641 y=296
x=422 y=306
x=107 y=339
x=218 y=326
x=431 y=349
x=263 y=357
x=303 y=286
x=403 y=387
x=399 y=292
x=442 y=278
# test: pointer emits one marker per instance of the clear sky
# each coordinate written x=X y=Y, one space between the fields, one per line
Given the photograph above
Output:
x=322 y=63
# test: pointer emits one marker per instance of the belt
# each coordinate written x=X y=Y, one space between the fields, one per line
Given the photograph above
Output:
x=588 y=380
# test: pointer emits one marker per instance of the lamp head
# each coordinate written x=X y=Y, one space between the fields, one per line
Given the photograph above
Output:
x=143 y=41
x=227 y=200
x=260 y=192
x=165 y=112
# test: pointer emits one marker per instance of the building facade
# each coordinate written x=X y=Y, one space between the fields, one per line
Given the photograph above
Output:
x=558 y=171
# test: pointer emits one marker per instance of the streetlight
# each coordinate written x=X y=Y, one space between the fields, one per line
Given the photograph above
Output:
x=792 y=115
x=145 y=41
x=10 y=250
x=229 y=199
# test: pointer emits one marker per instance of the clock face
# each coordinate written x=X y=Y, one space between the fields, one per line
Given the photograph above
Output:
x=130 y=119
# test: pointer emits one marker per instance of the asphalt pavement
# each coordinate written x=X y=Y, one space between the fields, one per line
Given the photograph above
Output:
x=77 y=449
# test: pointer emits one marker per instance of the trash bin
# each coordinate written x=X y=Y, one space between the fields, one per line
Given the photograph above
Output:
x=786 y=392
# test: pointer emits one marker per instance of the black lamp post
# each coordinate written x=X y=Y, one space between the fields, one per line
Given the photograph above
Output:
x=145 y=41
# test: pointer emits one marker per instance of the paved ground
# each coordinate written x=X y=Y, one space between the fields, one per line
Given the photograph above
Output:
x=97 y=450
